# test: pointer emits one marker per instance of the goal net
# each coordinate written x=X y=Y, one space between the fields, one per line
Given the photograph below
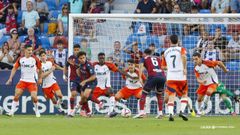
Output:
x=215 y=36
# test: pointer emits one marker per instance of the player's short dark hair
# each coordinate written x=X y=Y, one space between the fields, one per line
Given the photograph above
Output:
x=27 y=46
x=76 y=46
x=59 y=42
x=162 y=53
x=81 y=53
x=42 y=52
x=101 y=54
x=174 y=39
x=196 y=54
x=131 y=61
x=148 y=51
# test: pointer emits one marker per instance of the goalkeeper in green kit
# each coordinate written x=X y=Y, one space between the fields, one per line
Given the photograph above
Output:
x=224 y=93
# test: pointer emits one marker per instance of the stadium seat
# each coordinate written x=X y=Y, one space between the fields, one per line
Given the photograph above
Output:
x=190 y=65
x=189 y=42
x=153 y=39
x=205 y=11
x=213 y=27
x=77 y=39
x=19 y=17
x=45 y=42
x=53 y=15
x=4 y=39
x=233 y=65
x=45 y=28
x=22 y=38
x=133 y=38
x=51 y=4
x=61 y=3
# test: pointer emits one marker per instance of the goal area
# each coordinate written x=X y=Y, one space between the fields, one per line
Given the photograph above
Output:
x=215 y=36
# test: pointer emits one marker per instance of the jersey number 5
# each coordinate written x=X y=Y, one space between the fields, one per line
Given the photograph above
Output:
x=154 y=61
x=174 y=59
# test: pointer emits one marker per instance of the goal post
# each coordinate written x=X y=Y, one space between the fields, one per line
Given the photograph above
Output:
x=103 y=30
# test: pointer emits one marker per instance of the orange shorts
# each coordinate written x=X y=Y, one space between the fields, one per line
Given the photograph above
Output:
x=31 y=87
x=50 y=91
x=125 y=92
x=202 y=89
x=97 y=92
x=178 y=87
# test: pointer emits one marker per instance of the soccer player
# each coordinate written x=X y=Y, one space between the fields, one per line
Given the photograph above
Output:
x=133 y=87
x=175 y=62
x=72 y=62
x=156 y=80
x=29 y=65
x=102 y=70
x=50 y=86
x=207 y=79
x=87 y=76
x=224 y=93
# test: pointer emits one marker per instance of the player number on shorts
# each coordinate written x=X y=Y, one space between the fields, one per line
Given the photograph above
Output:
x=154 y=61
x=174 y=59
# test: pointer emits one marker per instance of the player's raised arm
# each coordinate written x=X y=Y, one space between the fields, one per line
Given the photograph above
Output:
x=222 y=66
x=184 y=61
x=141 y=67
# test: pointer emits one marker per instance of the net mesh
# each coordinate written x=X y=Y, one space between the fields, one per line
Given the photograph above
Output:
x=216 y=38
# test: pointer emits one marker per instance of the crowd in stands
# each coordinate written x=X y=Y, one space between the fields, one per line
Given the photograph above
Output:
x=44 y=25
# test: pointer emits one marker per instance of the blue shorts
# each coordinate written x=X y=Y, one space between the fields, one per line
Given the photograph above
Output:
x=75 y=86
x=89 y=85
x=155 y=83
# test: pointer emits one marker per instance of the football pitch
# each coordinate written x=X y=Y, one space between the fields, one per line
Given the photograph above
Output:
x=98 y=125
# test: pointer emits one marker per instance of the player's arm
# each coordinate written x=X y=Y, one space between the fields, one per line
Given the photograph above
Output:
x=126 y=74
x=222 y=66
x=200 y=81
x=45 y=74
x=141 y=66
x=14 y=69
x=163 y=63
x=184 y=60
x=92 y=73
x=39 y=67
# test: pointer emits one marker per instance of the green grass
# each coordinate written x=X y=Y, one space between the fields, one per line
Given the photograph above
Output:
x=59 y=125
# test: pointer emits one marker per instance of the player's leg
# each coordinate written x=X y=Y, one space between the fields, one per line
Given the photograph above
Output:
x=15 y=102
x=97 y=92
x=160 y=82
x=189 y=105
x=228 y=103
x=221 y=89
x=84 y=99
x=210 y=90
x=73 y=87
x=171 y=93
x=35 y=103
x=109 y=93
x=200 y=98
x=182 y=91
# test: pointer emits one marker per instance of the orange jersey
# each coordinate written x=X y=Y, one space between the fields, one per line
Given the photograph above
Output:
x=103 y=74
x=131 y=83
x=28 y=67
x=206 y=72
x=172 y=59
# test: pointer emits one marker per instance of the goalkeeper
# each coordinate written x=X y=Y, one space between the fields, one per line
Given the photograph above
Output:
x=224 y=93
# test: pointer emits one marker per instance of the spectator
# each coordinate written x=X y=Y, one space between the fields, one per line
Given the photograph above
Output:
x=202 y=42
x=30 y=19
x=185 y=5
x=3 y=7
x=146 y=6
x=108 y=6
x=6 y=57
x=219 y=40
x=135 y=53
x=63 y=21
x=23 y=4
x=33 y=40
x=76 y=6
x=86 y=48
x=164 y=6
x=10 y=20
x=152 y=47
x=117 y=55
x=42 y=8
x=235 y=6
x=14 y=43
x=60 y=54
x=193 y=29
x=93 y=8
x=233 y=48
x=220 y=6
x=211 y=53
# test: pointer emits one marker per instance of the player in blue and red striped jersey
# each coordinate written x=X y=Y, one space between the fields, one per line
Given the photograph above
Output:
x=87 y=79
x=155 y=81
x=72 y=62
